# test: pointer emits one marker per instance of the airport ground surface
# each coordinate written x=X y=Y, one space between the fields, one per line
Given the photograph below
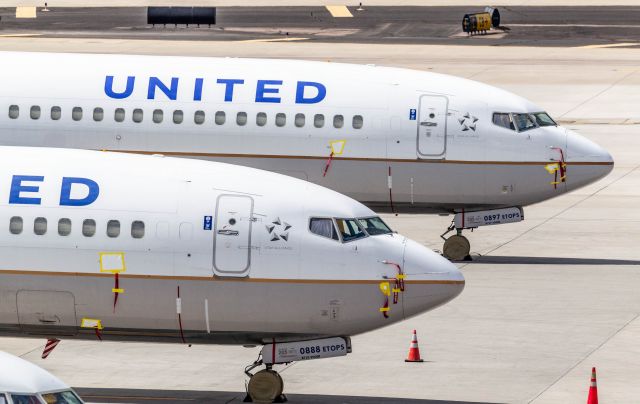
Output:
x=545 y=299
x=521 y=25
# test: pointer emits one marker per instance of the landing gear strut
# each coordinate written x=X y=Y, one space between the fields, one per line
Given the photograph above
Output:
x=265 y=386
x=456 y=247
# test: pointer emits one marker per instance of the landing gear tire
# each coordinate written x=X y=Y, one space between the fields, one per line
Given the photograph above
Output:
x=456 y=248
x=266 y=386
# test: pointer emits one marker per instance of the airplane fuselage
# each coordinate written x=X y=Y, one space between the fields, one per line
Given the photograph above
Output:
x=431 y=141
x=163 y=249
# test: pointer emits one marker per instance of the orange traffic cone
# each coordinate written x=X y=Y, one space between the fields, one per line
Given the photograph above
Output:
x=593 y=389
x=414 y=351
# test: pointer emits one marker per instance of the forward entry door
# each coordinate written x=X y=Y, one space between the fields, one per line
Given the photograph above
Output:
x=432 y=126
x=232 y=241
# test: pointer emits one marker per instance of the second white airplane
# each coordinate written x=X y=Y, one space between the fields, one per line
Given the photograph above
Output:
x=390 y=138
x=110 y=246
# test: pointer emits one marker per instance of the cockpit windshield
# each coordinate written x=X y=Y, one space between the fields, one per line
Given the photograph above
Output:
x=522 y=121
x=543 y=119
x=348 y=229
x=374 y=226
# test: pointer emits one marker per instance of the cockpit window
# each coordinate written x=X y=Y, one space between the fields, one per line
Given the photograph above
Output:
x=543 y=119
x=374 y=226
x=523 y=122
x=323 y=227
x=25 y=399
x=61 y=397
x=504 y=120
x=349 y=229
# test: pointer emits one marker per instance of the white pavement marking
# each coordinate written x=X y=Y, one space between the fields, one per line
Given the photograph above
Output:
x=611 y=45
x=339 y=11
x=271 y=40
x=316 y=3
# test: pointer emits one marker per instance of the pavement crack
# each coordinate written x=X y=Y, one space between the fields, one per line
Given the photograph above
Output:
x=615 y=83
x=39 y=347
x=561 y=212
x=584 y=357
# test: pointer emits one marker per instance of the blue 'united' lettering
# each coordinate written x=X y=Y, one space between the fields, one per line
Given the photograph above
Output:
x=266 y=91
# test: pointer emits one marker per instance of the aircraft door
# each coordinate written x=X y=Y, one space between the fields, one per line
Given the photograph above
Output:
x=232 y=240
x=42 y=311
x=432 y=126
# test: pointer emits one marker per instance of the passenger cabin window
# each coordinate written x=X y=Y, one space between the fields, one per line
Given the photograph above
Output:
x=137 y=115
x=338 y=121
x=349 y=229
x=318 y=120
x=178 y=116
x=34 y=112
x=503 y=120
x=113 y=228
x=56 y=113
x=15 y=225
x=198 y=117
x=40 y=226
x=299 y=120
x=220 y=118
x=64 y=227
x=98 y=114
x=281 y=119
x=523 y=122
x=261 y=119
x=374 y=226
x=323 y=227
x=241 y=118
x=157 y=116
x=137 y=229
x=76 y=113
x=118 y=115
x=14 y=111
x=357 y=122
x=88 y=227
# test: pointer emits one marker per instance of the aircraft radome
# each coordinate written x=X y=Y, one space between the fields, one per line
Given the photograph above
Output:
x=390 y=138
x=114 y=246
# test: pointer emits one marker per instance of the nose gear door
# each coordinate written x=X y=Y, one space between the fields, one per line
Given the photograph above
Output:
x=432 y=127
x=232 y=239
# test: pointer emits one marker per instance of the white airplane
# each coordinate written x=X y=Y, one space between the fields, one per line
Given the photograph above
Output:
x=22 y=382
x=392 y=138
x=116 y=246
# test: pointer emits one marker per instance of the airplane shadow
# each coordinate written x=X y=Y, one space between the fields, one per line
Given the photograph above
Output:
x=135 y=396
x=488 y=259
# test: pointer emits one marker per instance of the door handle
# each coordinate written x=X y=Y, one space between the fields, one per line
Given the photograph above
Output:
x=226 y=232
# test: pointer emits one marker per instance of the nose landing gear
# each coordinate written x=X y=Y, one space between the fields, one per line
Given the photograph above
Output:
x=456 y=247
x=265 y=386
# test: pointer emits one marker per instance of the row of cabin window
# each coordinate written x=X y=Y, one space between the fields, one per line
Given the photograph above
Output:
x=198 y=117
x=64 y=227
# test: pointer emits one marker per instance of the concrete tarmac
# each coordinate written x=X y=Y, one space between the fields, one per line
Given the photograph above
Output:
x=520 y=25
x=546 y=299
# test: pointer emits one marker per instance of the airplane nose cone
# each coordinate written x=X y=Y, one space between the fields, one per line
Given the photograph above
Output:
x=431 y=280
x=587 y=161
